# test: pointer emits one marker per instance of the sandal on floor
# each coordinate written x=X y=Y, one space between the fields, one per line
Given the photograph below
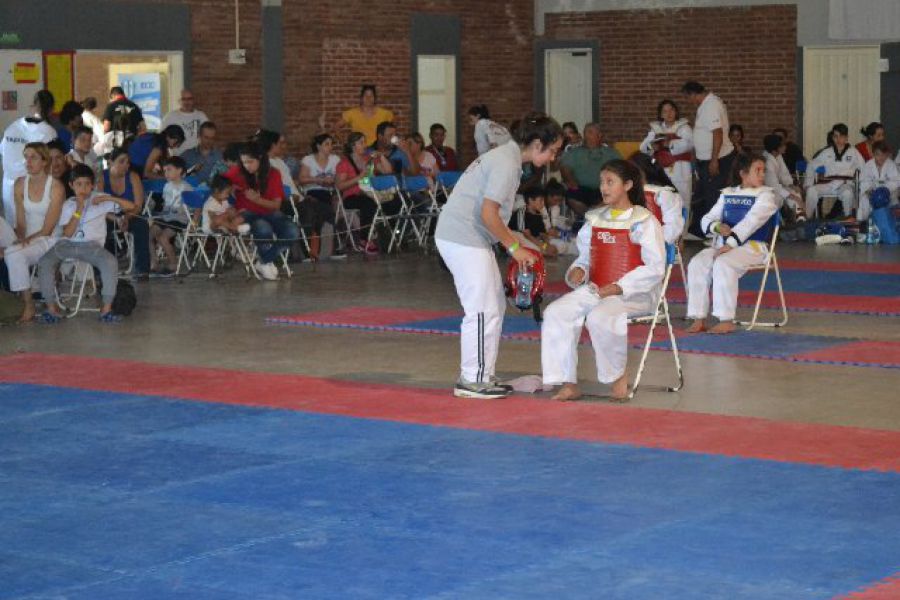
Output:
x=48 y=318
x=110 y=317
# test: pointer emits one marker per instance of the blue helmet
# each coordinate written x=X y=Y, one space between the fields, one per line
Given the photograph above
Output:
x=881 y=197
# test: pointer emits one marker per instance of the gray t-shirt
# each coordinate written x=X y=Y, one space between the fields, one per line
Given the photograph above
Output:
x=495 y=175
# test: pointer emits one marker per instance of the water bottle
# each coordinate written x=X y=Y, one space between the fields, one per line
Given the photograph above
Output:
x=873 y=236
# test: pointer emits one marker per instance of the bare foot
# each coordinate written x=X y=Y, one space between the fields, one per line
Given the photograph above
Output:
x=723 y=327
x=698 y=326
x=569 y=391
x=619 y=391
x=27 y=315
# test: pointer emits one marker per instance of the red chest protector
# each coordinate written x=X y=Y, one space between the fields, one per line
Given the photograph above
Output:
x=651 y=193
x=612 y=252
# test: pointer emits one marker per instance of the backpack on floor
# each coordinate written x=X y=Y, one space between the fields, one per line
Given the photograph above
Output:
x=125 y=300
x=11 y=307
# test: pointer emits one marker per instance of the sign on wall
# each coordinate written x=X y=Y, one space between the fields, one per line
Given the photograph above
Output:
x=59 y=76
x=145 y=90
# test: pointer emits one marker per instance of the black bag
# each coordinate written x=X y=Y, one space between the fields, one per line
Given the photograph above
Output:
x=125 y=300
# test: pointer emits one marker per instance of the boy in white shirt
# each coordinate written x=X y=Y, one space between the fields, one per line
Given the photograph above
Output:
x=880 y=171
x=219 y=216
x=82 y=152
x=172 y=218
x=84 y=232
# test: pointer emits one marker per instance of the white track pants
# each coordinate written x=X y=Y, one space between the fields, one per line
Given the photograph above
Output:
x=9 y=203
x=723 y=272
x=480 y=290
x=844 y=191
x=607 y=323
x=19 y=260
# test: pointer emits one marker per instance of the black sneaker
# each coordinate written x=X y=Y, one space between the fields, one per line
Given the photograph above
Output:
x=484 y=390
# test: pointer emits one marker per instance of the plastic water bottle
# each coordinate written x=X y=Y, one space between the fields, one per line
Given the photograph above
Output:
x=873 y=236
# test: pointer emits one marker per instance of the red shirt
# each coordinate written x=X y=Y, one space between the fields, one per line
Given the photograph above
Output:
x=446 y=158
x=345 y=167
x=863 y=149
x=273 y=191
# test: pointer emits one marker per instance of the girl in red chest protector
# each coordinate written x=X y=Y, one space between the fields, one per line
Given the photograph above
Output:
x=620 y=266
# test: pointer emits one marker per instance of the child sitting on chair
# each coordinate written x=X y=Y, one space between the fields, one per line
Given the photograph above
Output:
x=83 y=219
x=740 y=222
x=662 y=199
x=619 y=271
x=219 y=216
x=172 y=218
x=529 y=225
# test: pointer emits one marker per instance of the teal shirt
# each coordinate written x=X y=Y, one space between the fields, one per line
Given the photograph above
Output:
x=585 y=164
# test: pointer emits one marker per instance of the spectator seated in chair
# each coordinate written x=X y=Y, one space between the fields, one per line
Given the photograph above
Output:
x=84 y=231
x=445 y=155
x=318 y=172
x=881 y=171
x=580 y=168
x=355 y=168
x=219 y=216
x=171 y=219
x=259 y=194
x=778 y=177
x=832 y=171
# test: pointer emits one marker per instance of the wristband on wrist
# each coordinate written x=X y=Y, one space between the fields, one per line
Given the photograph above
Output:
x=78 y=215
x=512 y=249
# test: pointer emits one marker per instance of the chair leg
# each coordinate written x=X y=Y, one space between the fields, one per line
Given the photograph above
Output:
x=649 y=340
x=678 y=370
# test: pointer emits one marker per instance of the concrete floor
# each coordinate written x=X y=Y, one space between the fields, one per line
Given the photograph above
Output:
x=220 y=323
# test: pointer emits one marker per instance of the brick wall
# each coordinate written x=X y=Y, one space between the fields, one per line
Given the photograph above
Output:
x=332 y=48
x=747 y=56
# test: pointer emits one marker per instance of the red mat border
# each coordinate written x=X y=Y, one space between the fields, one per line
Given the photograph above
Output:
x=745 y=437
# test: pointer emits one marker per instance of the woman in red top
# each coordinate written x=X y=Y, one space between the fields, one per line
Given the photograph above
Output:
x=352 y=169
x=874 y=132
x=258 y=196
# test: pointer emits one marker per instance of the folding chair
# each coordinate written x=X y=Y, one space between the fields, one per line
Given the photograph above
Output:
x=294 y=202
x=123 y=240
x=774 y=223
x=349 y=218
x=446 y=181
x=835 y=196
x=653 y=319
x=411 y=211
x=82 y=273
x=191 y=203
x=382 y=186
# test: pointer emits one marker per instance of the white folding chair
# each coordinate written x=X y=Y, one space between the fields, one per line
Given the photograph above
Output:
x=82 y=274
x=382 y=189
x=294 y=202
x=771 y=264
x=193 y=237
x=414 y=212
x=346 y=221
x=660 y=311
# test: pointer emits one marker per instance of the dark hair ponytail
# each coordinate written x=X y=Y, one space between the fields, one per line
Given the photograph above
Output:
x=870 y=129
x=43 y=101
x=627 y=171
x=354 y=137
x=536 y=126
x=652 y=171
x=480 y=111
x=742 y=163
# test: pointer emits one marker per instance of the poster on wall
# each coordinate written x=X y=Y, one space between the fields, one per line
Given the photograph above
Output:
x=59 y=76
x=21 y=75
x=145 y=90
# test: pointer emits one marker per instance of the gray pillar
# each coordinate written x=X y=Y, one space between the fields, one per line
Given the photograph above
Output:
x=272 y=65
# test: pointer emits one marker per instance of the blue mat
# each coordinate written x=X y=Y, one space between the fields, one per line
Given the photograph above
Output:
x=173 y=499
x=754 y=343
x=512 y=324
x=838 y=283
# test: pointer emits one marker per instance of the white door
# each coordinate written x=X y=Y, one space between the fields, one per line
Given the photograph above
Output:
x=567 y=85
x=21 y=76
x=437 y=95
x=840 y=85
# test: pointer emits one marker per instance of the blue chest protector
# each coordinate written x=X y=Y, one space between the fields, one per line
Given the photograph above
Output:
x=736 y=208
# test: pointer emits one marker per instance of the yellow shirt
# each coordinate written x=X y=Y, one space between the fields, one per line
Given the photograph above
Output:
x=366 y=125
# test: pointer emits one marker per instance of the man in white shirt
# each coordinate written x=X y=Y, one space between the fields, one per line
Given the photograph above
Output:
x=712 y=148
x=188 y=118
x=91 y=120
